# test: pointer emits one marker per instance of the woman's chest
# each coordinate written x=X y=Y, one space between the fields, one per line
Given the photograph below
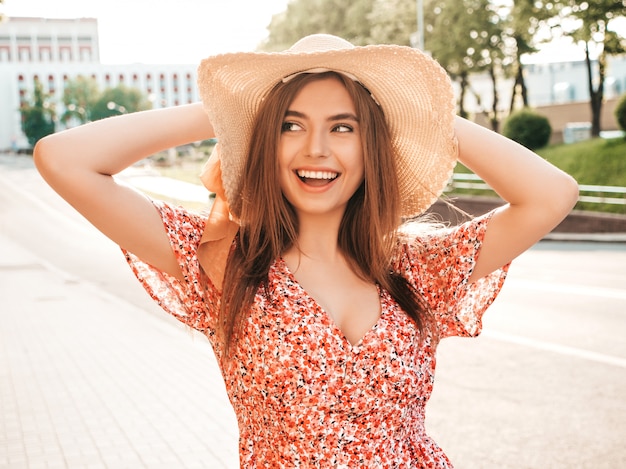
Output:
x=291 y=353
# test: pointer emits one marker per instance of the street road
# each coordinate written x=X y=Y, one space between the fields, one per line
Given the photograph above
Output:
x=544 y=386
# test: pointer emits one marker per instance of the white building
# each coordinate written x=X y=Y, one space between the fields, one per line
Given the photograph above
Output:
x=55 y=51
x=548 y=84
x=564 y=82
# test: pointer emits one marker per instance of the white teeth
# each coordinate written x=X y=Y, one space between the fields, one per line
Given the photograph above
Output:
x=317 y=174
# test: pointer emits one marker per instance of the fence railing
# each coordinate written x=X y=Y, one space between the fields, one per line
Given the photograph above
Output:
x=588 y=193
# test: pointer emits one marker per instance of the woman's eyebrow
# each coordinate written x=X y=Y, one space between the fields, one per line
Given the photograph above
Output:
x=344 y=116
x=336 y=117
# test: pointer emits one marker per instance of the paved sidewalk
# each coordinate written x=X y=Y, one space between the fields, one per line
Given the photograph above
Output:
x=90 y=381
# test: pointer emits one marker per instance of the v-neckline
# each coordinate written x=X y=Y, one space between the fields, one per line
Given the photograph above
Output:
x=328 y=319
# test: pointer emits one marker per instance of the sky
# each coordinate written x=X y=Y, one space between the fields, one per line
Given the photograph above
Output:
x=163 y=31
x=186 y=31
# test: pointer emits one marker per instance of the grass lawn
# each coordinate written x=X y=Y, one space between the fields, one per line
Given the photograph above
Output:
x=594 y=162
x=598 y=161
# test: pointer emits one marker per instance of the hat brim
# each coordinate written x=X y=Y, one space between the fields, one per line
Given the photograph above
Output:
x=413 y=90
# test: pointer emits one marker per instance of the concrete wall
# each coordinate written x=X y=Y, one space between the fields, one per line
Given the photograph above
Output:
x=561 y=114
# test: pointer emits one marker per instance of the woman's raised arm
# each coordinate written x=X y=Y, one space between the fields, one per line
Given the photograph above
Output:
x=539 y=195
x=79 y=164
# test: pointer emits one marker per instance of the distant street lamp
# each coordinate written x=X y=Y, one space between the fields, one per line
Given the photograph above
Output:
x=420 y=24
x=417 y=38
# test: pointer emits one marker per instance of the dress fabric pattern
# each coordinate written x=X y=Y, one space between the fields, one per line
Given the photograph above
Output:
x=304 y=396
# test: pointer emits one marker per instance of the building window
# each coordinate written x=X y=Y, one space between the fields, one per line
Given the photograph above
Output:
x=24 y=53
x=66 y=54
x=85 y=54
x=51 y=88
x=44 y=54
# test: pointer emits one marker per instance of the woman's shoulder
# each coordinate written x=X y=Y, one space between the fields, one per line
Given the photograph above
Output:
x=179 y=217
x=422 y=234
x=436 y=242
x=183 y=227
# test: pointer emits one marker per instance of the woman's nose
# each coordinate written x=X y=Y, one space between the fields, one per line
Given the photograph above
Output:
x=317 y=144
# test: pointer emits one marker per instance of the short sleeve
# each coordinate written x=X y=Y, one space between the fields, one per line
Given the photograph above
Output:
x=192 y=301
x=439 y=265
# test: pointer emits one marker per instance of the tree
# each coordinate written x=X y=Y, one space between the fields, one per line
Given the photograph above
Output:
x=620 y=112
x=393 y=21
x=347 y=19
x=79 y=97
x=476 y=47
x=593 y=32
x=119 y=100
x=495 y=56
x=526 y=19
x=38 y=116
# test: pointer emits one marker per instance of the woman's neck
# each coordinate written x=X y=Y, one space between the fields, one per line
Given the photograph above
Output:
x=317 y=237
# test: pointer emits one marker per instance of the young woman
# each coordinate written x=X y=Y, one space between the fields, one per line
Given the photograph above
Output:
x=323 y=308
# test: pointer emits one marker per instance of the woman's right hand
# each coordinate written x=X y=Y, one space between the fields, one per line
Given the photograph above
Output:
x=79 y=165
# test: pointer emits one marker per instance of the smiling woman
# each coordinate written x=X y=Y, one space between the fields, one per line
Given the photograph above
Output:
x=323 y=308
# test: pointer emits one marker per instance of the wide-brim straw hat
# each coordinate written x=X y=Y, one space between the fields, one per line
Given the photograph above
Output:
x=413 y=90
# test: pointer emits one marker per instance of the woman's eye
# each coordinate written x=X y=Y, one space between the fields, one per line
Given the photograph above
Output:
x=342 y=128
x=290 y=127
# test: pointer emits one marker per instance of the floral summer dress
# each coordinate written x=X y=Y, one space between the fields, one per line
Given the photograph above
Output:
x=303 y=395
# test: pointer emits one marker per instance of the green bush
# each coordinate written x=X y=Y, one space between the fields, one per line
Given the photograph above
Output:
x=528 y=128
x=620 y=112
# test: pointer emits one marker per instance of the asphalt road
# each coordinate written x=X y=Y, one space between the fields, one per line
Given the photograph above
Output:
x=544 y=386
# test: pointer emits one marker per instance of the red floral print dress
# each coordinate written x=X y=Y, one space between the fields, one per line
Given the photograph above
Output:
x=304 y=396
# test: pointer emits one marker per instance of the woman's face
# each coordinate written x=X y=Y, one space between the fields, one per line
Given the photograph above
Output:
x=320 y=155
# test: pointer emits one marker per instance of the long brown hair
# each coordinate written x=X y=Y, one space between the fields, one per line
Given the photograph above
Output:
x=269 y=225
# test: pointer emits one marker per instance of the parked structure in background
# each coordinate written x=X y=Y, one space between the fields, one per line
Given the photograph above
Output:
x=58 y=50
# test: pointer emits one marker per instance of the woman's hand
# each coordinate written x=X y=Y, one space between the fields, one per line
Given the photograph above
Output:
x=80 y=163
x=539 y=195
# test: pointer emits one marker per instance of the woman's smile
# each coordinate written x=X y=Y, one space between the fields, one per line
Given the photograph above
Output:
x=312 y=177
